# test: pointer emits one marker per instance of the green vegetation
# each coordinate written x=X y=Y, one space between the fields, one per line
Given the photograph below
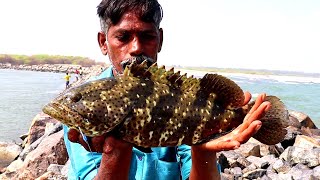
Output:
x=46 y=59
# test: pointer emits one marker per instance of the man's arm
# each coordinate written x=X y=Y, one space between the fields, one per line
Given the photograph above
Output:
x=204 y=159
x=116 y=159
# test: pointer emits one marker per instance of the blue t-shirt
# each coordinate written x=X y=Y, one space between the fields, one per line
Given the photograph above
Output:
x=163 y=163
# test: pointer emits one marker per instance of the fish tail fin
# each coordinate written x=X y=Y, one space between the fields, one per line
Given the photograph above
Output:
x=274 y=122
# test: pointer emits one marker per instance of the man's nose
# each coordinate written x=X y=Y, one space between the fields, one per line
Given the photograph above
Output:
x=136 y=47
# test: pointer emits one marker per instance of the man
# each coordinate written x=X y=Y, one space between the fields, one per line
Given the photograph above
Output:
x=131 y=28
x=67 y=78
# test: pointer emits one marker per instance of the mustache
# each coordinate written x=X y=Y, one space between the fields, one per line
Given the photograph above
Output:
x=137 y=59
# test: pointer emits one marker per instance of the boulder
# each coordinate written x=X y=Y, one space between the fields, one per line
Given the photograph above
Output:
x=306 y=142
x=38 y=127
x=8 y=152
x=50 y=151
x=304 y=119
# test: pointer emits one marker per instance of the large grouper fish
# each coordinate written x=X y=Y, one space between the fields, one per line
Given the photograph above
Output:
x=152 y=106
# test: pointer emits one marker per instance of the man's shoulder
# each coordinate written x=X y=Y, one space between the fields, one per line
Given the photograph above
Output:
x=105 y=74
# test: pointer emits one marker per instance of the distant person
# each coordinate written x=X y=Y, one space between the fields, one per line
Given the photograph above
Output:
x=67 y=78
x=77 y=74
x=80 y=72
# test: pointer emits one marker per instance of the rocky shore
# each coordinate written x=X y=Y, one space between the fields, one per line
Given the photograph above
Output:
x=57 y=68
x=42 y=155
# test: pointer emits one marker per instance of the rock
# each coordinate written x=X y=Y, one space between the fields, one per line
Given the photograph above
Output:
x=278 y=149
x=55 y=168
x=314 y=133
x=271 y=159
x=293 y=121
x=249 y=149
x=258 y=162
x=281 y=166
x=23 y=136
x=249 y=168
x=265 y=177
x=46 y=176
x=267 y=149
x=296 y=155
x=65 y=169
x=316 y=172
x=54 y=129
x=306 y=142
x=242 y=162
x=8 y=152
x=304 y=119
x=284 y=176
x=225 y=176
x=290 y=137
x=300 y=172
x=38 y=127
x=227 y=159
x=255 y=174
x=236 y=171
x=50 y=151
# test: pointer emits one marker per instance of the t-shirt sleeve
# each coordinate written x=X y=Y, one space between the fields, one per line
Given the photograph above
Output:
x=184 y=155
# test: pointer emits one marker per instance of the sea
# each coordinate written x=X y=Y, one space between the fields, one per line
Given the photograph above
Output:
x=24 y=93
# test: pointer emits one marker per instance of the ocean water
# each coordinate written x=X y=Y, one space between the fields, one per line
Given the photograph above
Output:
x=300 y=95
x=23 y=94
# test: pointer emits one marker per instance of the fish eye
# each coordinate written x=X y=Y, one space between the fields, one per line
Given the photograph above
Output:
x=75 y=97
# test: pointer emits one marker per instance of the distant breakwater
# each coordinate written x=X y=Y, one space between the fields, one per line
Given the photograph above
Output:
x=57 y=68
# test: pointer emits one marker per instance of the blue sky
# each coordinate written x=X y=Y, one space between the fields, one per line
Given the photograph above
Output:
x=256 y=34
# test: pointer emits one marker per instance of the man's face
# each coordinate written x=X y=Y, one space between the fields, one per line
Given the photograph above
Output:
x=130 y=37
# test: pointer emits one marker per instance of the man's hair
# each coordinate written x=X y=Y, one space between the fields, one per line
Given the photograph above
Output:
x=111 y=11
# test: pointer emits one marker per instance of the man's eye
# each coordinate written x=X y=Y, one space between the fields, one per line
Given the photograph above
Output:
x=123 y=37
x=148 y=36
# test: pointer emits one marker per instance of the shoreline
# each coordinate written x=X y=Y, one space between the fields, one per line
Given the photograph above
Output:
x=63 y=68
x=280 y=78
x=55 y=68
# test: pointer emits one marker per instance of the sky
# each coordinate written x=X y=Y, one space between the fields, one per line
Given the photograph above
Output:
x=253 y=34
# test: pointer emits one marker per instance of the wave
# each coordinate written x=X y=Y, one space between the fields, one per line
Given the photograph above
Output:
x=254 y=77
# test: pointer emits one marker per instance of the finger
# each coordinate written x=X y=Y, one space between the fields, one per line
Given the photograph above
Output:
x=255 y=115
x=220 y=146
x=260 y=111
x=257 y=103
x=247 y=97
x=83 y=142
x=73 y=135
x=245 y=135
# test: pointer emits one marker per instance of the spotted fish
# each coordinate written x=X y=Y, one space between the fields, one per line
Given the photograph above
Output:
x=152 y=106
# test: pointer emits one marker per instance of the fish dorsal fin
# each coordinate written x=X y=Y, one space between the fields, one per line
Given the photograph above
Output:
x=228 y=93
x=136 y=70
x=155 y=73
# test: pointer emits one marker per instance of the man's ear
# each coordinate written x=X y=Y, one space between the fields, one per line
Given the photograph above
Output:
x=102 y=43
x=161 y=39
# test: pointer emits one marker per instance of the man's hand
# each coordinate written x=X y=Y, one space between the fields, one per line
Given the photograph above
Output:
x=116 y=154
x=245 y=131
x=204 y=155
x=96 y=143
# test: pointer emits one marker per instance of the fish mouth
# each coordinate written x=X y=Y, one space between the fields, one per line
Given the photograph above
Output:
x=62 y=113
x=138 y=60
